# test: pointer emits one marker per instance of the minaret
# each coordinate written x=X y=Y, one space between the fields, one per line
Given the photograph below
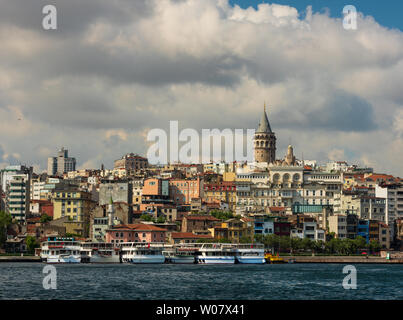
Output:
x=265 y=141
x=111 y=213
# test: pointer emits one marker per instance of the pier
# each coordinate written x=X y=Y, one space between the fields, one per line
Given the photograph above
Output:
x=341 y=259
x=20 y=259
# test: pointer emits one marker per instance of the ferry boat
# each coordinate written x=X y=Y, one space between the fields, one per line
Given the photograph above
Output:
x=252 y=253
x=216 y=253
x=61 y=250
x=100 y=252
x=181 y=254
x=136 y=252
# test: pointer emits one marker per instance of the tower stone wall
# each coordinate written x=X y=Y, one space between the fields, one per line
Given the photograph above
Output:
x=265 y=141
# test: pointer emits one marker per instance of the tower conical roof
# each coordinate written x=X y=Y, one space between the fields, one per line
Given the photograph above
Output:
x=264 y=125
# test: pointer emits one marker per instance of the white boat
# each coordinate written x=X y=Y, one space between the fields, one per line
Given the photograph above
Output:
x=138 y=252
x=99 y=252
x=61 y=250
x=250 y=253
x=216 y=253
x=181 y=254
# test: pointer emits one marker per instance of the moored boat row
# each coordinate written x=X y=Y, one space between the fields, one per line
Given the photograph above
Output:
x=67 y=250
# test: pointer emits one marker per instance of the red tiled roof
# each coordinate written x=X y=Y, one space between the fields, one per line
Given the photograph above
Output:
x=139 y=227
x=41 y=201
x=31 y=228
x=201 y=217
x=277 y=208
x=247 y=219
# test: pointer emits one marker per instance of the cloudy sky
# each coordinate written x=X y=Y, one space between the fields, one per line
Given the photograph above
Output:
x=115 y=69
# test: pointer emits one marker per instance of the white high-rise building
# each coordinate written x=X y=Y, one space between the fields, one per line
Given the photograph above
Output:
x=393 y=193
x=15 y=183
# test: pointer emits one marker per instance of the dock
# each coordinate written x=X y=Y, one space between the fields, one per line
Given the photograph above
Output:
x=20 y=259
x=341 y=259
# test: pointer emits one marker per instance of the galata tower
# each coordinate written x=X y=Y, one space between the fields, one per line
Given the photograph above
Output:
x=265 y=141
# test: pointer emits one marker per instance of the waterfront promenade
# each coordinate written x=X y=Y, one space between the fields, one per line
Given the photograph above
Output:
x=20 y=259
x=342 y=259
x=295 y=259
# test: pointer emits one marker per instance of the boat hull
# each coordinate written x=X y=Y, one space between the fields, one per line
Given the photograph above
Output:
x=216 y=260
x=181 y=259
x=104 y=259
x=63 y=259
x=250 y=260
x=147 y=259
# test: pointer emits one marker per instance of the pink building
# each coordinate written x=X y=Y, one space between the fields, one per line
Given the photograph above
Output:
x=182 y=191
x=135 y=233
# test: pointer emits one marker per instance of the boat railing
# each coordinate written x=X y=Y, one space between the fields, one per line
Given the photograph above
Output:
x=126 y=245
x=98 y=245
x=250 y=246
x=218 y=246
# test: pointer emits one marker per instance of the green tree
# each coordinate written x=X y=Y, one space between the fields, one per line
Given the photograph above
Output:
x=5 y=222
x=351 y=246
x=360 y=242
x=318 y=246
x=330 y=236
x=161 y=219
x=245 y=239
x=72 y=235
x=296 y=244
x=222 y=215
x=45 y=218
x=273 y=241
x=146 y=217
x=307 y=244
x=333 y=246
x=259 y=238
x=374 y=245
x=32 y=243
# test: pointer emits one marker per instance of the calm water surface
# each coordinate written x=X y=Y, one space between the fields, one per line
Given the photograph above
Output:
x=250 y=282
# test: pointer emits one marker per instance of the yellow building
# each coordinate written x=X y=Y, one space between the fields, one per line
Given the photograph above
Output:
x=238 y=229
x=229 y=176
x=221 y=192
x=74 y=204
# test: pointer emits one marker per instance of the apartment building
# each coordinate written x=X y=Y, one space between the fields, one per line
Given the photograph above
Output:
x=221 y=192
x=74 y=204
x=15 y=183
x=61 y=164
x=131 y=162
x=182 y=191
x=338 y=225
x=366 y=207
x=393 y=195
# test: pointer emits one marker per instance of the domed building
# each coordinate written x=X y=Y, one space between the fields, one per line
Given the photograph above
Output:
x=289 y=159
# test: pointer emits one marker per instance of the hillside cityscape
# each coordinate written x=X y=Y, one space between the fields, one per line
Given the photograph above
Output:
x=288 y=204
